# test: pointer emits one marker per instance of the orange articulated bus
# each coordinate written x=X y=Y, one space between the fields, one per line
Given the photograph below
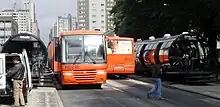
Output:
x=120 y=56
x=79 y=57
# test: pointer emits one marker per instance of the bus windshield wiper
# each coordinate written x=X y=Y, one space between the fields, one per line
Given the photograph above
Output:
x=77 y=57
x=86 y=54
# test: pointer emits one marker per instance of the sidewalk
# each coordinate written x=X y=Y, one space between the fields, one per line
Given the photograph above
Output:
x=44 y=97
x=211 y=90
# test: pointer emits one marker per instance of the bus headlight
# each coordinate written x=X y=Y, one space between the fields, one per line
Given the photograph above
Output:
x=67 y=74
x=100 y=72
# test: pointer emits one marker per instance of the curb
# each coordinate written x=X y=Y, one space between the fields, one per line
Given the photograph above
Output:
x=172 y=87
x=59 y=101
x=192 y=92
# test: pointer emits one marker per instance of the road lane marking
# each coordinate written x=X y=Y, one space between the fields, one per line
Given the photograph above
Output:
x=104 y=86
x=116 y=84
x=117 y=89
x=139 y=82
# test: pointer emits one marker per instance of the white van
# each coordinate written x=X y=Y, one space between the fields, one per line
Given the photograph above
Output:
x=6 y=85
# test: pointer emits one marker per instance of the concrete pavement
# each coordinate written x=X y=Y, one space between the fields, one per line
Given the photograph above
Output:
x=119 y=93
x=130 y=93
x=42 y=97
x=211 y=90
x=173 y=97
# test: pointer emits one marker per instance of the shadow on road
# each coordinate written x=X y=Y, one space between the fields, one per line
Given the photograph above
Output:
x=77 y=87
x=117 y=77
x=6 y=101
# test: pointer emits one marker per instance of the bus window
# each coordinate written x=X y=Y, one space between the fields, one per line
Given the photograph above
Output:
x=72 y=49
x=94 y=50
x=109 y=49
x=122 y=47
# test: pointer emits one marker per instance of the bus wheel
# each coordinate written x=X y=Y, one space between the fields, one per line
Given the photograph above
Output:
x=124 y=76
x=98 y=86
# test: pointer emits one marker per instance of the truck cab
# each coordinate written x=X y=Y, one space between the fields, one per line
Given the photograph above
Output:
x=6 y=84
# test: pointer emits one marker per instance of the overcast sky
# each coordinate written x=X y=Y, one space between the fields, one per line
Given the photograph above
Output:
x=47 y=12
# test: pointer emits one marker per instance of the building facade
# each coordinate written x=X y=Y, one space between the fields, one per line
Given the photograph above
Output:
x=95 y=14
x=20 y=16
x=53 y=32
x=34 y=29
x=30 y=5
x=25 y=17
x=66 y=23
x=109 y=24
x=8 y=27
x=63 y=23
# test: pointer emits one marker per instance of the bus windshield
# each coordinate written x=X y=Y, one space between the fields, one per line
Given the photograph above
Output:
x=83 y=49
x=119 y=46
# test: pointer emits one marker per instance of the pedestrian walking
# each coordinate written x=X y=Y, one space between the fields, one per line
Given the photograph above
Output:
x=155 y=92
x=17 y=75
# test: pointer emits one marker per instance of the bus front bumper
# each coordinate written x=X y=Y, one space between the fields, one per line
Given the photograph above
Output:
x=84 y=77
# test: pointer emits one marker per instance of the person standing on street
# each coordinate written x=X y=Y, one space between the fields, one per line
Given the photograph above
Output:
x=156 y=90
x=17 y=75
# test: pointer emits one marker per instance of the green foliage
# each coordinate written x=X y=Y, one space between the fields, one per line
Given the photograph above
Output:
x=144 y=18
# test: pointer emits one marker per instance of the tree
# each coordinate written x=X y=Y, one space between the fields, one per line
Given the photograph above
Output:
x=201 y=14
x=144 y=18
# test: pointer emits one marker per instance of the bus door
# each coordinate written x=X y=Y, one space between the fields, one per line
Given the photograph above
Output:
x=57 y=56
x=28 y=70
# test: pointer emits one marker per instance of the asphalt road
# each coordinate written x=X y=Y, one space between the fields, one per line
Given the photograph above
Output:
x=130 y=93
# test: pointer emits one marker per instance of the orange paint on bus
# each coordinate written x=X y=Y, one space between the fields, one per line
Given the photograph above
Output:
x=121 y=62
x=71 y=73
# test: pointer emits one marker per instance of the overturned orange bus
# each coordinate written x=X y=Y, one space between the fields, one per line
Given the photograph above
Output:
x=120 y=56
x=78 y=57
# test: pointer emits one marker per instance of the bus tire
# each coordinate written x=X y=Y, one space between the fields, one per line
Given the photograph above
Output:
x=98 y=86
x=124 y=76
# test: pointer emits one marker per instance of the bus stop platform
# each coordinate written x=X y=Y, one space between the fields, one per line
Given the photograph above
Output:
x=44 y=97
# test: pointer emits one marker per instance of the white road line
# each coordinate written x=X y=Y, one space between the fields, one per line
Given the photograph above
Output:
x=139 y=82
x=116 y=84
x=104 y=86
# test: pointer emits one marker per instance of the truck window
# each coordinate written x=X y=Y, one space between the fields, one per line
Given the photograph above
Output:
x=9 y=62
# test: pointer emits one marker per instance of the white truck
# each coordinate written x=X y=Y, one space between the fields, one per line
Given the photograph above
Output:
x=6 y=84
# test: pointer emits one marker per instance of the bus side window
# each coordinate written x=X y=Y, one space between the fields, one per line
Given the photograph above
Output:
x=109 y=47
x=109 y=44
x=57 y=51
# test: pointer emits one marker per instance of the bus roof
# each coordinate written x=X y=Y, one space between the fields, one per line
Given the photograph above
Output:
x=119 y=38
x=82 y=32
